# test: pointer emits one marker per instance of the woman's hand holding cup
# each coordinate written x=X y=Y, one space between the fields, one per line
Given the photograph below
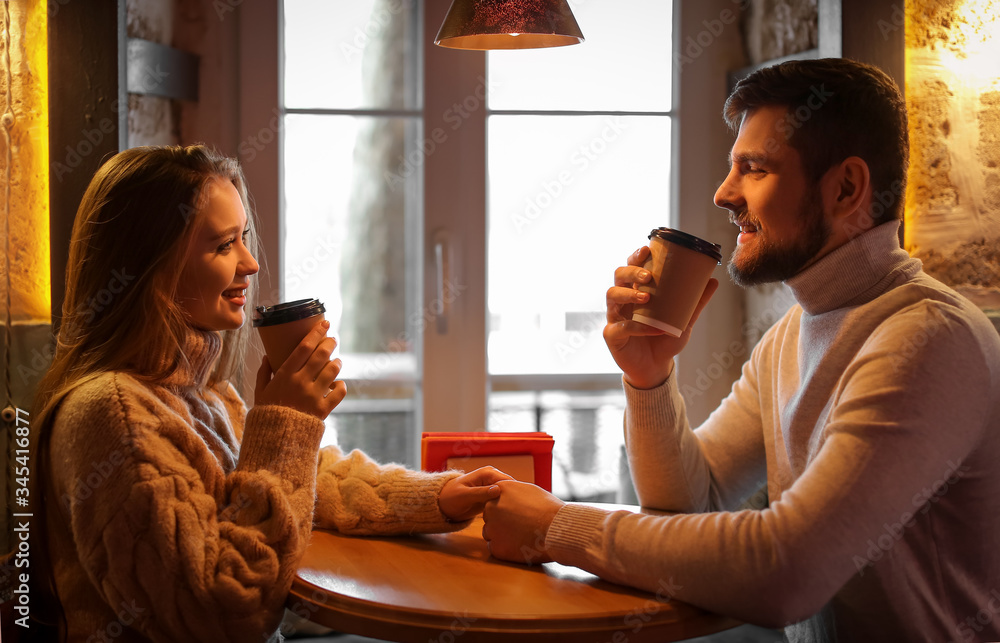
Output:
x=307 y=380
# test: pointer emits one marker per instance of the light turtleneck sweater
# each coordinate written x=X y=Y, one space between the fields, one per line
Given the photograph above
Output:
x=176 y=515
x=872 y=411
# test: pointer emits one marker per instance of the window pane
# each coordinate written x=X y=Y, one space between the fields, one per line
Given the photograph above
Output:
x=587 y=430
x=349 y=240
x=350 y=55
x=570 y=197
x=624 y=64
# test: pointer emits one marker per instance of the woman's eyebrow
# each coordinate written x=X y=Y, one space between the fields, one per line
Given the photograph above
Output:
x=231 y=230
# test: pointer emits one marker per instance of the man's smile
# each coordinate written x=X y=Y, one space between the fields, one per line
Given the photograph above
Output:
x=747 y=227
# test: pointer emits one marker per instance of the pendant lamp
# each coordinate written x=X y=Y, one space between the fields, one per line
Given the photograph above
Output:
x=508 y=24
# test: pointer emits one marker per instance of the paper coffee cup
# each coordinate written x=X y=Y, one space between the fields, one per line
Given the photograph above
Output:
x=282 y=326
x=681 y=265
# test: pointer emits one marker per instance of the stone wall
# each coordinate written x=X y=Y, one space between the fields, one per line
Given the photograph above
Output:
x=24 y=199
x=207 y=29
x=24 y=162
x=777 y=28
x=152 y=120
x=953 y=98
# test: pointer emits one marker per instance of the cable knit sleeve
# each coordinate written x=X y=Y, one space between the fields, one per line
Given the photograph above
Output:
x=197 y=554
x=357 y=496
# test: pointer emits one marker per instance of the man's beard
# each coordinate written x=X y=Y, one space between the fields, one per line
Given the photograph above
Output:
x=771 y=262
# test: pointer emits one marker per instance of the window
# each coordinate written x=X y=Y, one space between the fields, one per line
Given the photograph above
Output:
x=350 y=235
x=440 y=255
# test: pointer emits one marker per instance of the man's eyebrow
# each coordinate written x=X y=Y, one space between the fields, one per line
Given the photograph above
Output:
x=747 y=157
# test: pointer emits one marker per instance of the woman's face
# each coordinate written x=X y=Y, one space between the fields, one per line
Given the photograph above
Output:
x=213 y=282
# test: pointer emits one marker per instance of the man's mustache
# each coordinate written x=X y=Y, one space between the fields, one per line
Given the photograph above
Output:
x=741 y=217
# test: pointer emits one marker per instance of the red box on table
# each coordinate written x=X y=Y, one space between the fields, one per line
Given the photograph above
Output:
x=526 y=456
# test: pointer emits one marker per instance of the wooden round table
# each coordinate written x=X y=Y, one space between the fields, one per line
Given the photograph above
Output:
x=446 y=587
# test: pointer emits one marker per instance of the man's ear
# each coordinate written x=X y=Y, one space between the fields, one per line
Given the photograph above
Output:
x=846 y=188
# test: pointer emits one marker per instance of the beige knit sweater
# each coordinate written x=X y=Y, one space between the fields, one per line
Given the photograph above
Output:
x=176 y=515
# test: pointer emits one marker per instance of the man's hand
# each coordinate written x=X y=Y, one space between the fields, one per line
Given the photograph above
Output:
x=518 y=521
x=645 y=354
x=463 y=497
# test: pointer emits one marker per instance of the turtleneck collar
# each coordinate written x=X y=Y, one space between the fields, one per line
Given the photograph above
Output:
x=855 y=273
x=199 y=351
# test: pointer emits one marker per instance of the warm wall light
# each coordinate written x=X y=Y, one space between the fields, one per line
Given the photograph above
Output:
x=953 y=183
x=508 y=24
x=24 y=161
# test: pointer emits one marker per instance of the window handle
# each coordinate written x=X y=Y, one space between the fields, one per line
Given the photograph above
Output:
x=441 y=307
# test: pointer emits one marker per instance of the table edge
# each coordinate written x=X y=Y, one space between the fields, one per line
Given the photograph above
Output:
x=430 y=621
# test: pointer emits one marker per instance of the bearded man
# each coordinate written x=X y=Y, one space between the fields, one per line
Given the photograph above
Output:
x=871 y=410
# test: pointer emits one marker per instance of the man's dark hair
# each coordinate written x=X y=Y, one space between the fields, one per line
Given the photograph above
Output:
x=836 y=108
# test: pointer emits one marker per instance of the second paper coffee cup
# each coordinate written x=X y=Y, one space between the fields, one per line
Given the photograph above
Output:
x=681 y=265
x=282 y=326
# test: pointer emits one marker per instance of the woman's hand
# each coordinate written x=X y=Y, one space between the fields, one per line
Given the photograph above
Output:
x=463 y=497
x=645 y=354
x=307 y=381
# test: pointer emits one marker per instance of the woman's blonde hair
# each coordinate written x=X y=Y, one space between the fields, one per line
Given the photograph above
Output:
x=127 y=251
x=130 y=240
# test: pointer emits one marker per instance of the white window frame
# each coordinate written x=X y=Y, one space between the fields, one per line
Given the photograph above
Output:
x=454 y=363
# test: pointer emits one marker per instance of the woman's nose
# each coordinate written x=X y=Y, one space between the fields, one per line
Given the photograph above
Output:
x=249 y=265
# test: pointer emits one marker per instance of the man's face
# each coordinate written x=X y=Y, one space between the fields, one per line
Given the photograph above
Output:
x=778 y=208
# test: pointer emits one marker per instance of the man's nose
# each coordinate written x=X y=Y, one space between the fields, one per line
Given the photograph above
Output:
x=727 y=196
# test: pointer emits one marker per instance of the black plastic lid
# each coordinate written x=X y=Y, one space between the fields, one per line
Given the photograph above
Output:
x=689 y=241
x=288 y=312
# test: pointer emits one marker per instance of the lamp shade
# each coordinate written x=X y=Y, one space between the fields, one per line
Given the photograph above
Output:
x=508 y=24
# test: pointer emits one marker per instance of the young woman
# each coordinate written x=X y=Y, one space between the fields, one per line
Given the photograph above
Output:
x=169 y=511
